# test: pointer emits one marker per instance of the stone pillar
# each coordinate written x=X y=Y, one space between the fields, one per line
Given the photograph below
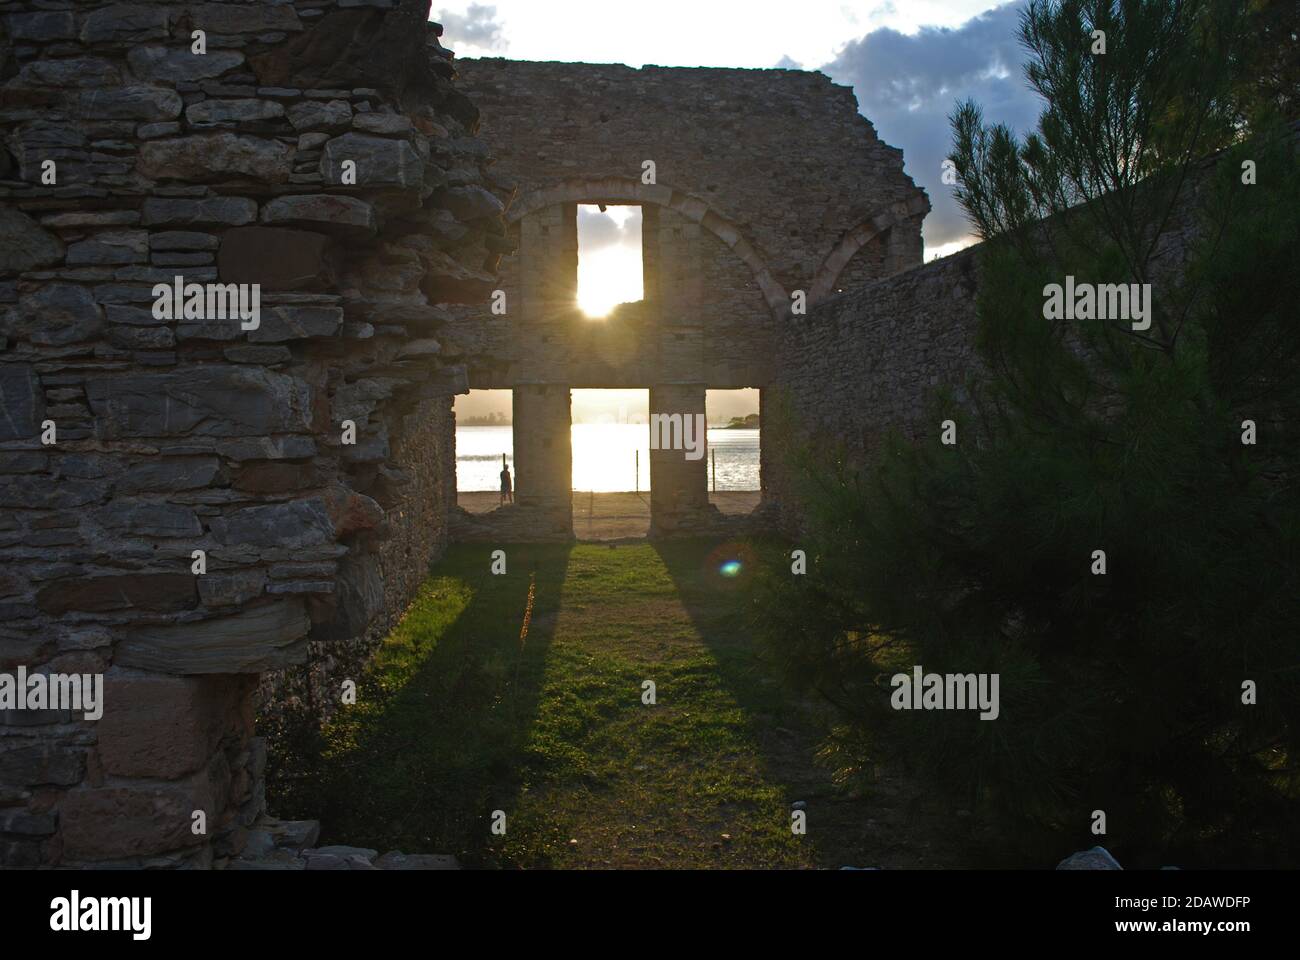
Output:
x=548 y=287
x=679 y=491
x=543 y=457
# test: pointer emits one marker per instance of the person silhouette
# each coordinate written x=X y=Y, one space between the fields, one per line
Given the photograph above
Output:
x=507 y=491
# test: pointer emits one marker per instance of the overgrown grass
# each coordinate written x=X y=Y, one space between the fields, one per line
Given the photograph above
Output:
x=458 y=717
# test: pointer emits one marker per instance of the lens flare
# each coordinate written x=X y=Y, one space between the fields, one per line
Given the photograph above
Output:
x=730 y=569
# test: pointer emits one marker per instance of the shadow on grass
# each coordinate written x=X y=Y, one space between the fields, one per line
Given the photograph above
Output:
x=437 y=739
x=894 y=825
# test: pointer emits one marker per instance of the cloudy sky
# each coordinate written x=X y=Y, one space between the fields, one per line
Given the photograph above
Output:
x=908 y=61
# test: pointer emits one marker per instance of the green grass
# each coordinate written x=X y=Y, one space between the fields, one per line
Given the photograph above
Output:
x=457 y=717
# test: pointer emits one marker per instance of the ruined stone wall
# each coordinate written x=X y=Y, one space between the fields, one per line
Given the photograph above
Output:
x=129 y=156
x=867 y=360
x=765 y=182
x=864 y=362
x=783 y=154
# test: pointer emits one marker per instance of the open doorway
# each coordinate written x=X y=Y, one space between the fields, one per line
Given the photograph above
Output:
x=735 y=458
x=485 y=445
x=611 y=463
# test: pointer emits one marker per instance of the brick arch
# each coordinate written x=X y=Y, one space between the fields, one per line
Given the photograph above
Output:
x=858 y=236
x=627 y=190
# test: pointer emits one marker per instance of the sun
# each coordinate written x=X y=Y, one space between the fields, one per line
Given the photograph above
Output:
x=610 y=273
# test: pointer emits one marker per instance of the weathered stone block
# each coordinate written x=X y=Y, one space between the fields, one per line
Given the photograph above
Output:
x=26 y=823
x=228 y=19
x=180 y=65
x=350 y=511
x=23 y=244
x=132 y=316
x=102 y=823
x=384 y=124
x=131 y=103
x=162 y=592
x=165 y=727
x=322 y=210
x=296 y=524
x=231 y=589
x=233 y=112
x=359 y=593
x=216 y=156
x=22 y=404
x=43 y=26
x=182 y=240
x=41 y=763
x=145 y=518
x=119 y=246
x=280 y=323
x=70 y=72
x=218 y=211
x=380 y=161
x=54 y=315
x=212 y=400
x=267 y=448
x=131 y=23
x=470 y=203
x=417 y=861
x=315 y=115
x=38 y=493
x=169 y=474
x=265 y=637
x=151 y=131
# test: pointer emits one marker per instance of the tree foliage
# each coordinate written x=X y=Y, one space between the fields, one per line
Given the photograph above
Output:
x=1121 y=692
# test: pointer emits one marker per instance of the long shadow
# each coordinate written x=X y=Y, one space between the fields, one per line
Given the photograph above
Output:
x=714 y=581
x=437 y=739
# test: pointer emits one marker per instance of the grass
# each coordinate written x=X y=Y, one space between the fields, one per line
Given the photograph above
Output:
x=459 y=716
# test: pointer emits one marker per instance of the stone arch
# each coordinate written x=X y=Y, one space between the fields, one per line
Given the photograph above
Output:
x=625 y=190
x=858 y=236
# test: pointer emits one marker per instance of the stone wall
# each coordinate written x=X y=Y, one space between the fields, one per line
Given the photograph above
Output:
x=866 y=361
x=129 y=440
x=765 y=182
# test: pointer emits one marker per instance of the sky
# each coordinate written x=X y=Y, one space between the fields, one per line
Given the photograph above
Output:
x=908 y=62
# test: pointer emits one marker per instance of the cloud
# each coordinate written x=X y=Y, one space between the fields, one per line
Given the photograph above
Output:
x=788 y=63
x=598 y=230
x=477 y=27
x=907 y=86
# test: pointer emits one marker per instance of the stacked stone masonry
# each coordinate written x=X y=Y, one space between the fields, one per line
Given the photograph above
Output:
x=765 y=183
x=867 y=360
x=128 y=157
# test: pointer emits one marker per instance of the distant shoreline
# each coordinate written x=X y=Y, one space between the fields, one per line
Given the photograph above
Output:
x=583 y=423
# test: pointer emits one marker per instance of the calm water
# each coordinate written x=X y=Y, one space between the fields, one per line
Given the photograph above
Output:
x=604 y=457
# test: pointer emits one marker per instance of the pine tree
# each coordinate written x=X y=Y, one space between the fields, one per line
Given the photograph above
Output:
x=1123 y=691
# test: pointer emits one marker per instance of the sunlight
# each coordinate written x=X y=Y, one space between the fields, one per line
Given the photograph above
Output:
x=609 y=258
x=611 y=451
